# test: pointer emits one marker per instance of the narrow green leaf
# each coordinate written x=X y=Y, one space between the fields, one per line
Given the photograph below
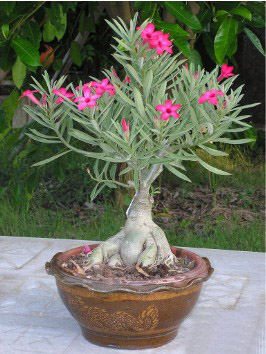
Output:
x=255 y=40
x=125 y=170
x=139 y=102
x=147 y=83
x=213 y=169
x=182 y=13
x=18 y=73
x=42 y=140
x=82 y=136
x=43 y=162
x=224 y=37
x=124 y=96
x=113 y=171
x=213 y=152
x=235 y=142
x=26 y=51
x=133 y=73
x=176 y=172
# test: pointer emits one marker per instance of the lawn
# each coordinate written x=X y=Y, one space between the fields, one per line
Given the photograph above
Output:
x=212 y=212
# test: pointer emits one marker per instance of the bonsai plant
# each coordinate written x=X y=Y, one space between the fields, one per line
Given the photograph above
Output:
x=157 y=117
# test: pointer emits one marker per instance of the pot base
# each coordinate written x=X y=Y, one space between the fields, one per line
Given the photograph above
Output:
x=122 y=342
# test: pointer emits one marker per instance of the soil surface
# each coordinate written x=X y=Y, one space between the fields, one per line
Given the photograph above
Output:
x=77 y=265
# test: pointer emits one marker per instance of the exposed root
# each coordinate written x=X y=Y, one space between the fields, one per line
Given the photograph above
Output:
x=106 y=250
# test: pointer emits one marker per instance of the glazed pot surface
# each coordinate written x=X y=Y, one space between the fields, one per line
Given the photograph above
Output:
x=132 y=314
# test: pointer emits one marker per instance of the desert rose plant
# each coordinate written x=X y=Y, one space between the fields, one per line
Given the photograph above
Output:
x=157 y=116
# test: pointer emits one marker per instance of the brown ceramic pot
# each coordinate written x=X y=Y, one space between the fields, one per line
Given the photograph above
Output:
x=130 y=314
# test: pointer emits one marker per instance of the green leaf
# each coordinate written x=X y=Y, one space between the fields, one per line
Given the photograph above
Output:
x=49 y=31
x=82 y=136
x=242 y=11
x=5 y=30
x=173 y=28
x=75 y=53
x=139 y=102
x=213 y=152
x=147 y=84
x=213 y=169
x=124 y=96
x=7 y=56
x=26 y=51
x=257 y=7
x=125 y=170
x=183 y=14
x=176 y=172
x=235 y=142
x=232 y=48
x=18 y=73
x=224 y=37
x=32 y=31
x=208 y=43
x=59 y=32
x=183 y=45
x=10 y=105
x=43 y=162
x=133 y=73
x=255 y=40
x=195 y=59
x=56 y=15
x=7 y=6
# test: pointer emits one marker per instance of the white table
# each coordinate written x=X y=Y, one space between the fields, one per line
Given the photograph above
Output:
x=228 y=319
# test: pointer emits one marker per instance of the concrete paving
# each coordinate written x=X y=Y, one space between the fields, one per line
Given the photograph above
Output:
x=228 y=319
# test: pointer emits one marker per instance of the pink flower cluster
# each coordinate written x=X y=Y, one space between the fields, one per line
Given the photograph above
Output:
x=89 y=97
x=156 y=39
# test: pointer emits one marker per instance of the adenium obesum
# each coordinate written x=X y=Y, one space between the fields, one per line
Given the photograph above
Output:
x=159 y=117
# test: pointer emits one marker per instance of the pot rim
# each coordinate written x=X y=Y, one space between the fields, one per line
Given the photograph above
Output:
x=200 y=273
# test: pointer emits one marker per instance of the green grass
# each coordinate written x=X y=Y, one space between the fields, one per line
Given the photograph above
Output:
x=247 y=177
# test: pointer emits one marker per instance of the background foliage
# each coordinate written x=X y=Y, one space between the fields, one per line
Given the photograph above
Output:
x=71 y=38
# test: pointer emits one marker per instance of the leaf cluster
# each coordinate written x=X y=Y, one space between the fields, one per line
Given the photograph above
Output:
x=151 y=141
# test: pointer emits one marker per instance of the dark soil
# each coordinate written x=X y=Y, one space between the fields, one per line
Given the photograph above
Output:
x=77 y=266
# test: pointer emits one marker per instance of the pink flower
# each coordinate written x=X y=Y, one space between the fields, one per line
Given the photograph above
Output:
x=125 y=125
x=29 y=94
x=161 y=43
x=87 y=249
x=62 y=91
x=88 y=100
x=114 y=73
x=44 y=99
x=211 y=97
x=168 y=109
x=148 y=32
x=127 y=79
x=87 y=85
x=103 y=86
x=226 y=72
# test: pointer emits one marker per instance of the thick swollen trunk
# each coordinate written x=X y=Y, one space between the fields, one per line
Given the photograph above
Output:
x=141 y=241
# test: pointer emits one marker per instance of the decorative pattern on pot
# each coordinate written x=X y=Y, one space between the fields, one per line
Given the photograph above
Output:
x=117 y=321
